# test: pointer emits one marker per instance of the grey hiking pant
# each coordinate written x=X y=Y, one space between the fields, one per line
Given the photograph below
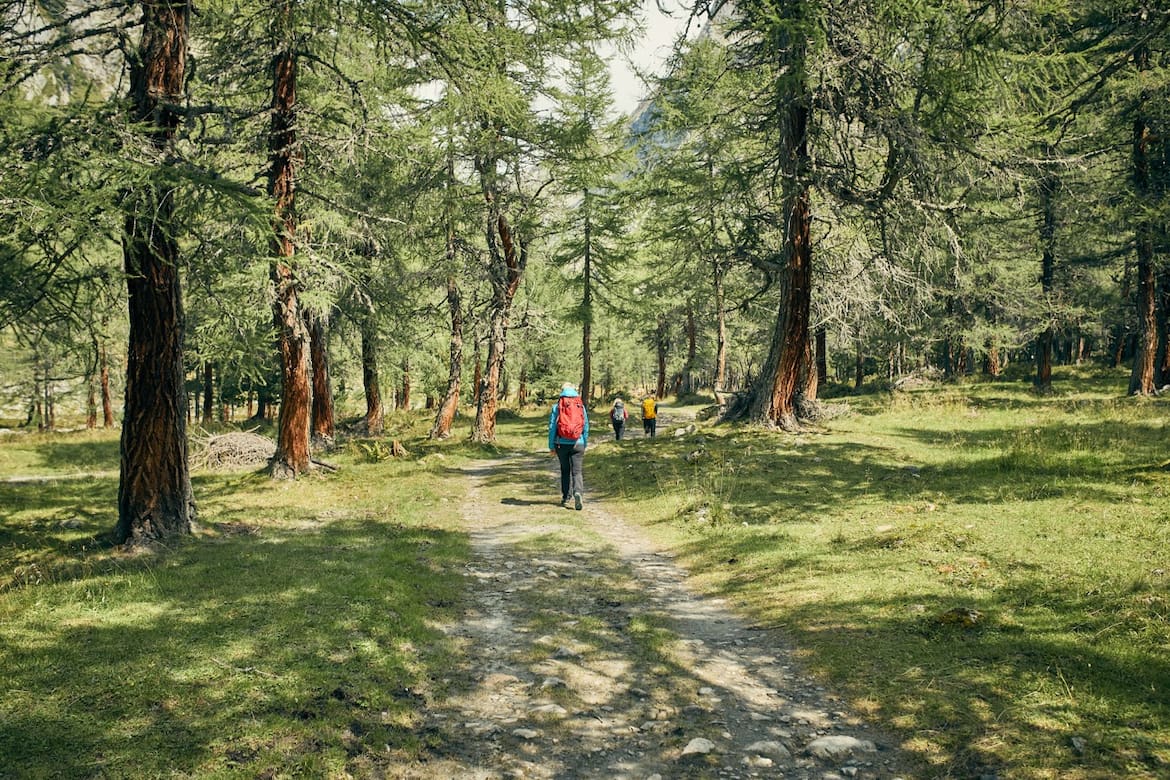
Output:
x=571 y=457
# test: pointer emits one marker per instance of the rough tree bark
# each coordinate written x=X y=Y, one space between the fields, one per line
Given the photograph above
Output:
x=450 y=404
x=509 y=257
x=783 y=369
x=323 y=427
x=775 y=403
x=1141 y=380
x=292 y=443
x=1044 y=342
x=155 y=499
x=371 y=382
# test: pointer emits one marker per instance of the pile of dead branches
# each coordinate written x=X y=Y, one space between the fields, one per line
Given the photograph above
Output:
x=235 y=450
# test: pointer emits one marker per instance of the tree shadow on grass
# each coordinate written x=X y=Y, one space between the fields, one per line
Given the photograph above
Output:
x=292 y=649
x=70 y=454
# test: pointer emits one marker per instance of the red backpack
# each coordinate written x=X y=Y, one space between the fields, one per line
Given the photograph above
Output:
x=570 y=417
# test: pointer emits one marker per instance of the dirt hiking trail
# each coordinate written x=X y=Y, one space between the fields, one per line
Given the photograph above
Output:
x=586 y=655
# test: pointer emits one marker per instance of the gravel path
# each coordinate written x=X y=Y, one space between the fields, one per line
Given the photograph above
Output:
x=588 y=656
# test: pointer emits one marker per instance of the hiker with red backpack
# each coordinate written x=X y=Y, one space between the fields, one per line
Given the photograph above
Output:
x=568 y=433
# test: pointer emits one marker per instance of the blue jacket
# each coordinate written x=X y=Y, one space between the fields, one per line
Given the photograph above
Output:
x=553 y=439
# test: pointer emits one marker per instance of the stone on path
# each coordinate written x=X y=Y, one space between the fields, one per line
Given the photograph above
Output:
x=838 y=746
x=698 y=746
x=768 y=747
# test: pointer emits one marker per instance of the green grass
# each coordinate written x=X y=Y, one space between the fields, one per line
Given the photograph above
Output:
x=297 y=633
x=1047 y=515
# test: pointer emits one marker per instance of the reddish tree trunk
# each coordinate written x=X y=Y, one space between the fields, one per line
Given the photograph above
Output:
x=292 y=442
x=775 y=402
x=782 y=373
x=324 y=426
x=155 y=500
x=375 y=413
x=450 y=404
x=104 y=379
x=1141 y=381
x=509 y=258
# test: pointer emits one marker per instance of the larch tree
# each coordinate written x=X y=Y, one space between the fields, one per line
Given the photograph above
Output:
x=494 y=81
x=292 y=456
x=591 y=249
x=155 y=499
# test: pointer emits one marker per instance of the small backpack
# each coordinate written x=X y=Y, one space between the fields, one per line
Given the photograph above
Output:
x=618 y=414
x=570 y=418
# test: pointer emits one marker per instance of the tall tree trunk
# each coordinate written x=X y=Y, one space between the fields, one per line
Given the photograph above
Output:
x=477 y=374
x=691 y=368
x=806 y=392
x=718 y=272
x=104 y=381
x=661 y=346
x=1163 y=360
x=155 y=500
x=90 y=402
x=1141 y=380
x=858 y=364
x=775 y=403
x=822 y=354
x=208 y=391
x=587 y=312
x=323 y=427
x=1044 y=342
x=509 y=257
x=450 y=404
x=292 y=441
x=405 y=384
x=371 y=382
x=782 y=372
x=992 y=366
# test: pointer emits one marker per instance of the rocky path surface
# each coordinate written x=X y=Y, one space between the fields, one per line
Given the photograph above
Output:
x=588 y=656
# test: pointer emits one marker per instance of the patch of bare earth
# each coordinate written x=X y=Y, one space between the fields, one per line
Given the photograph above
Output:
x=586 y=655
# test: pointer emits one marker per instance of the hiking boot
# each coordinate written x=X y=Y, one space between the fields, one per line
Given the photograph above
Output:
x=576 y=500
x=565 y=502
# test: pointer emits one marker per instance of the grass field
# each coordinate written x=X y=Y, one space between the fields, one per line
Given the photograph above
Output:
x=982 y=568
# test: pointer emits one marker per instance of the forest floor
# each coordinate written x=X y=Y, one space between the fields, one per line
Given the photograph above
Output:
x=585 y=653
